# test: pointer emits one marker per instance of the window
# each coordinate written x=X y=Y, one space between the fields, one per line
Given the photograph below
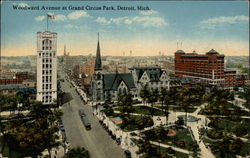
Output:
x=46 y=44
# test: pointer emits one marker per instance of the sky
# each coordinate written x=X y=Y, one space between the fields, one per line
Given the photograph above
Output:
x=199 y=26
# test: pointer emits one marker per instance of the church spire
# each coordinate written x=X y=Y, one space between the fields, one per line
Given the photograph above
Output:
x=98 y=61
x=64 y=52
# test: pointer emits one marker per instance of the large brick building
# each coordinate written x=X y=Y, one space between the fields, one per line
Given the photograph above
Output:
x=206 y=69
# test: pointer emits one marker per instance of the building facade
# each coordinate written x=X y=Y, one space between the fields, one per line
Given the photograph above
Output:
x=47 y=67
x=153 y=76
x=206 y=69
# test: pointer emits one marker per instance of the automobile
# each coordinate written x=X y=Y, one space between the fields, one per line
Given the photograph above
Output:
x=127 y=153
x=118 y=141
x=133 y=134
x=62 y=128
x=82 y=112
x=109 y=132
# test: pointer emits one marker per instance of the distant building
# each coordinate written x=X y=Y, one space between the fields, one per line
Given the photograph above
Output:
x=47 y=67
x=70 y=61
x=88 y=68
x=29 y=83
x=18 y=90
x=15 y=78
x=206 y=69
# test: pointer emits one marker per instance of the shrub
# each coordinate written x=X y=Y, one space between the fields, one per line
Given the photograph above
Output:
x=214 y=134
x=240 y=130
x=182 y=143
x=180 y=121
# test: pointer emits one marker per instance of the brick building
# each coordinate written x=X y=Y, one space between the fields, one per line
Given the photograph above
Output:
x=17 y=78
x=206 y=69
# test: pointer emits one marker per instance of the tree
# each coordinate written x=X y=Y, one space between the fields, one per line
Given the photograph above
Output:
x=186 y=100
x=79 y=152
x=167 y=102
x=145 y=93
x=246 y=96
x=235 y=146
x=32 y=136
x=125 y=101
x=180 y=121
x=152 y=98
x=146 y=149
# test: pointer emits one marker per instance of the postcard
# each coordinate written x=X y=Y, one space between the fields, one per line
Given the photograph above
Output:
x=116 y=79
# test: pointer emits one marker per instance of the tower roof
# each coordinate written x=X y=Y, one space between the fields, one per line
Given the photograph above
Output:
x=180 y=51
x=212 y=51
x=98 y=61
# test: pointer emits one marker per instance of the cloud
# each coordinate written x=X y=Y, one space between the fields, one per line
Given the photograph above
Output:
x=23 y=5
x=60 y=17
x=77 y=15
x=70 y=26
x=145 y=21
x=102 y=20
x=40 y=18
x=149 y=12
x=219 y=21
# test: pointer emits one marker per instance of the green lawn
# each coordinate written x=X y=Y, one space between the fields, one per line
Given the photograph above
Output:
x=148 y=110
x=132 y=122
x=179 y=109
x=181 y=136
x=225 y=110
x=177 y=154
x=145 y=110
x=231 y=126
x=245 y=150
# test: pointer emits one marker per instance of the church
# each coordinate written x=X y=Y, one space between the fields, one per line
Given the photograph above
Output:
x=109 y=85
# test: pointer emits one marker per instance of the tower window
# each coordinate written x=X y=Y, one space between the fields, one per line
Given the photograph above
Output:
x=47 y=44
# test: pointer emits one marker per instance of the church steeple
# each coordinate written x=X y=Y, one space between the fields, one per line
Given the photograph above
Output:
x=98 y=61
x=64 y=52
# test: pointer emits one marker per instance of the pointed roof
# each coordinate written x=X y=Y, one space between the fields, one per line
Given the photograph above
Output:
x=64 y=52
x=212 y=51
x=98 y=61
x=112 y=81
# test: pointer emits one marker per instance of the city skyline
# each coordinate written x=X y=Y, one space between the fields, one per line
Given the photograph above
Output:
x=200 y=26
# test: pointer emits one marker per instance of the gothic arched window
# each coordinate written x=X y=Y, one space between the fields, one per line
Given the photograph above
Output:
x=46 y=44
x=124 y=91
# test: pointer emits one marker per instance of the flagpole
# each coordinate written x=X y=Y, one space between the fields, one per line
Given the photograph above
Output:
x=47 y=23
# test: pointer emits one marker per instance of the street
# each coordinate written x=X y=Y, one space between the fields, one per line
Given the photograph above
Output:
x=96 y=141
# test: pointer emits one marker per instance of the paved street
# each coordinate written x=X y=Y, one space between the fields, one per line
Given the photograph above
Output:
x=97 y=140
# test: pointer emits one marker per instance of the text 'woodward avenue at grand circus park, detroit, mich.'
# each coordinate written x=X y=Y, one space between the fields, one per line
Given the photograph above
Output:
x=87 y=7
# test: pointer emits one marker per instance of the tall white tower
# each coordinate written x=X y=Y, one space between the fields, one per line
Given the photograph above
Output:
x=46 y=67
